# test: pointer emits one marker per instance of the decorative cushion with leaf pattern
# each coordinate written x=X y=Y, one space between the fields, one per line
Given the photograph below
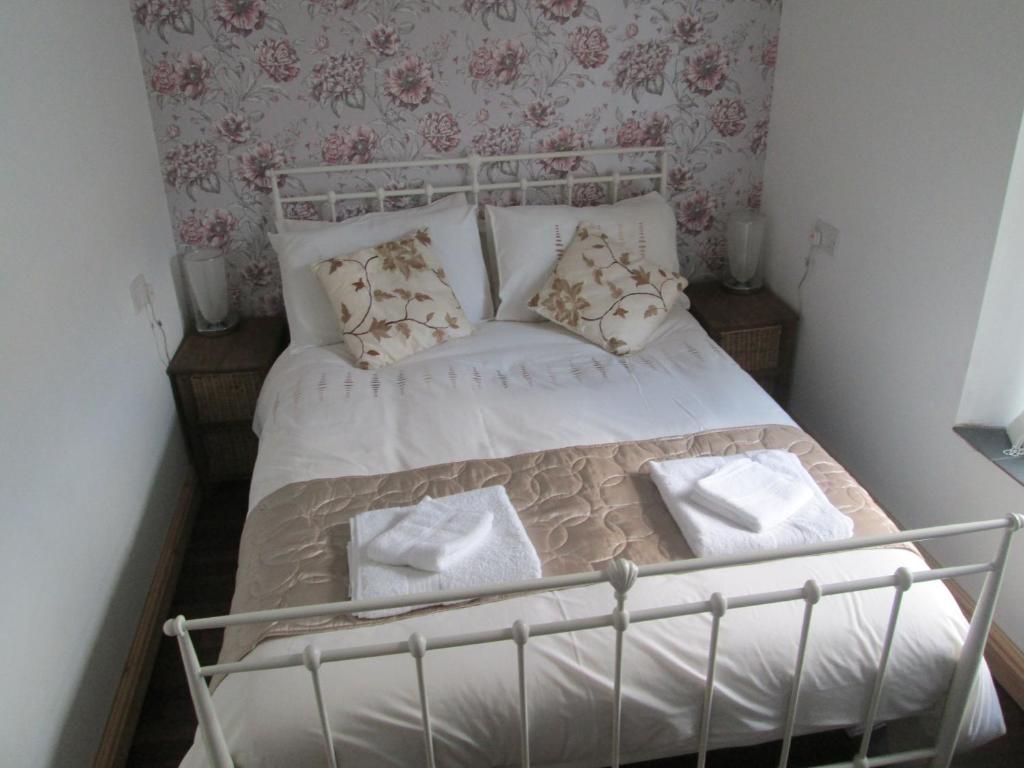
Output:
x=607 y=293
x=392 y=300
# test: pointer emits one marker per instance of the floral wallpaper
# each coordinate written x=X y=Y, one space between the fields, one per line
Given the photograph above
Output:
x=240 y=87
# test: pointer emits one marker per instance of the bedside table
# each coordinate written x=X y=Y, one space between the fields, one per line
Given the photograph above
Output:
x=216 y=380
x=757 y=330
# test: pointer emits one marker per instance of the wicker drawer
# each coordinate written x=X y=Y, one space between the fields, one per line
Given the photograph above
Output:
x=225 y=396
x=230 y=453
x=756 y=349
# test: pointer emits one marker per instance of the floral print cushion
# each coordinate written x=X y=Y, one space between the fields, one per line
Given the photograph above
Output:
x=392 y=300
x=608 y=294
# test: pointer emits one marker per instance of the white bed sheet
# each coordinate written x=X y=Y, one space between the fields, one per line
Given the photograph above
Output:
x=511 y=388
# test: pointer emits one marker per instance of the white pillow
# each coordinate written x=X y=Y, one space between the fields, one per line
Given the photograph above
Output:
x=453 y=226
x=529 y=239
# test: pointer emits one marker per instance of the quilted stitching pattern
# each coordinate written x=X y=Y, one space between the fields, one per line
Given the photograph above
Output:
x=582 y=507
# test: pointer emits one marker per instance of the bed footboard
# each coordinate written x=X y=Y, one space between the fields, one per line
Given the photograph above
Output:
x=622 y=575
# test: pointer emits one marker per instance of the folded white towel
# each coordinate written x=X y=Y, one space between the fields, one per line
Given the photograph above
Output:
x=709 y=534
x=750 y=494
x=506 y=554
x=435 y=535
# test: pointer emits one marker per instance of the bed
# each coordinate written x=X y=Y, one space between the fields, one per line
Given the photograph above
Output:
x=601 y=689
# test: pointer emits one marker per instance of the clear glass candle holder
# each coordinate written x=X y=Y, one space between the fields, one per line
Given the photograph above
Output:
x=206 y=274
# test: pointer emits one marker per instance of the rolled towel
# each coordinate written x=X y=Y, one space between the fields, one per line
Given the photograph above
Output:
x=751 y=494
x=710 y=534
x=507 y=554
x=433 y=536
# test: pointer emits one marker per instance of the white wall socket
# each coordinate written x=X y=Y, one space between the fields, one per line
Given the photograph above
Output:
x=824 y=236
x=141 y=293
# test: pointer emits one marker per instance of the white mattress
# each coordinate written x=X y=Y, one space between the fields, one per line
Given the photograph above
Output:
x=515 y=387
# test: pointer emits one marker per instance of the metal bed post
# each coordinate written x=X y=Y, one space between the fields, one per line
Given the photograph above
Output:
x=312 y=659
x=812 y=596
x=973 y=651
x=622 y=575
x=719 y=605
x=521 y=633
x=418 y=649
x=209 y=726
x=663 y=181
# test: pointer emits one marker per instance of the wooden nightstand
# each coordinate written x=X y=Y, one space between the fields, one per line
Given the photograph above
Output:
x=216 y=380
x=757 y=330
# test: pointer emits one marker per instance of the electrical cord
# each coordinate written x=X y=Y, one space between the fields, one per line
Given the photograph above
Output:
x=808 y=260
x=155 y=325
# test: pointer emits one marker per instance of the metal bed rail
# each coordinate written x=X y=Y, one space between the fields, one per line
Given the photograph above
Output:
x=622 y=575
x=472 y=164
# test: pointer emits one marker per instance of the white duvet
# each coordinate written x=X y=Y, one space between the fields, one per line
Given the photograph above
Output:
x=517 y=387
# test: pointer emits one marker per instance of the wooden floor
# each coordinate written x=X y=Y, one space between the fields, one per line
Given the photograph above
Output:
x=167 y=724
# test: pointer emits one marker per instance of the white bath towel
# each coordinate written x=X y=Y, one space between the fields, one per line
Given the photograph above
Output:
x=506 y=555
x=709 y=534
x=434 y=536
x=751 y=494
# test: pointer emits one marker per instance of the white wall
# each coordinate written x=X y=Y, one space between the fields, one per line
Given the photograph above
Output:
x=91 y=461
x=994 y=388
x=896 y=121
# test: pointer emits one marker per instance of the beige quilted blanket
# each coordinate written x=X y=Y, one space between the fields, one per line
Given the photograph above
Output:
x=582 y=507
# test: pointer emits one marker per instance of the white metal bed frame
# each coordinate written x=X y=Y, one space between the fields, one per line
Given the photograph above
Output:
x=473 y=164
x=621 y=575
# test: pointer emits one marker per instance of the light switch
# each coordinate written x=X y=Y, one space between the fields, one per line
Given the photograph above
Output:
x=140 y=291
x=825 y=236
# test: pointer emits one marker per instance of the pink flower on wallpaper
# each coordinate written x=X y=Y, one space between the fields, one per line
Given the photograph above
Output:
x=539 y=114
x=440 y=130
x=218 y=226
x=706 y=72
x=754 y=196
x=193 y=72
x=257 y=273
x=321 y=43
x=164 y=78
x=770 y=53
x=193 y=164
x=277 y=57
x=647 y=133
x=563 y=140
x=409 y=83
x=729 y=117
x=383 y=40
x=503 y=140
x=482 y=116
x=162 y=13
x=173 y=131
x=589 y=46
x=302 y=211
x=339 y=79
x=759 y=136
x=254 y=167
x=509 y=56
x=696 y=213
x=481 y=63
x=561 y=10
x=587 y=194
x=234 y=127
x=632 y=30
x=351 y=145
x=242 y=17
x=191 y=230
x=712 y=254
x=688 y=29
x=680 y=178
x=642 y=65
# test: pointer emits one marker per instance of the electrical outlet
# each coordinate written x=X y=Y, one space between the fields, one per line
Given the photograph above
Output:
x=141 y=293
x=825 y=236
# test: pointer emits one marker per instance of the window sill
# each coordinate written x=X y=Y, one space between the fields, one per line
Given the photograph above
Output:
x=990 y=442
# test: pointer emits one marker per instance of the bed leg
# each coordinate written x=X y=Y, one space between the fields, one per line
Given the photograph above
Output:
x=973 y=652
x=209 y=726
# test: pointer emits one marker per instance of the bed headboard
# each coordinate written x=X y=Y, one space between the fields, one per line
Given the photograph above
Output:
x=472 y=165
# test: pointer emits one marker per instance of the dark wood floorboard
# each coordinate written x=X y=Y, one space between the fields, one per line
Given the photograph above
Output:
x=167 y=724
